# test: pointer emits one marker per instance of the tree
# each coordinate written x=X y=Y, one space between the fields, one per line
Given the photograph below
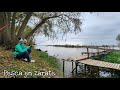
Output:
x=42 y=23
x=8 y=36
x=4 y=20
x=66 y=21
x=118 y=39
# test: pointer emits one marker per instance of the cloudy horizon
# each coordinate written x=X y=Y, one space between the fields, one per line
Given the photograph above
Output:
x=98 y=29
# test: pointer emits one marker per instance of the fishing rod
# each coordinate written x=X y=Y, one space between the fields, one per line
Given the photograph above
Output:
x=48 y=40
x=42 y=42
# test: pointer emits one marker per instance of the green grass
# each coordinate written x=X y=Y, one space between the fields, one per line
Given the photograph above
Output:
x=113 y=57
x=44 y=63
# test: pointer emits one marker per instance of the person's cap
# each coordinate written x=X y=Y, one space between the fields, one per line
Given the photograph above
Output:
x=21 y=39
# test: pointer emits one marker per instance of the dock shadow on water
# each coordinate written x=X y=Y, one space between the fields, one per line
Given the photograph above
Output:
x=83 y=71
x=97 y=72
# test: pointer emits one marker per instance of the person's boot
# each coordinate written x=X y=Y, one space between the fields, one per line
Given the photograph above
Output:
x=25 y=59
x=32 y=61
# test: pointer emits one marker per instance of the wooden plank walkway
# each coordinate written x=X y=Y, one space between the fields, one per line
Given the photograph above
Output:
x=85 y=56
x=100 y=52
x=82 y=57
x=100 y=64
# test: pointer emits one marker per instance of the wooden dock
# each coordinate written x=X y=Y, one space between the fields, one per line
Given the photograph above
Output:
x=100 y=64
x=86 y=56
x=85 y=59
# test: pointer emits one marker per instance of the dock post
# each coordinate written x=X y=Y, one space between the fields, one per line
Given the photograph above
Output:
x=88 y=52
x=104 y=48
x=76 y=64
x=63 y=67
x=85 y=68
x=98 y=72
x=72 y=65
x=98 y=51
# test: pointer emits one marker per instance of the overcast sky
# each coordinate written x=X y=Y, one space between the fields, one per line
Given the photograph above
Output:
x=97 y=29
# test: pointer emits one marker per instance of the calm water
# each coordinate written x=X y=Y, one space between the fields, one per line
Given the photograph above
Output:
x=67 y=53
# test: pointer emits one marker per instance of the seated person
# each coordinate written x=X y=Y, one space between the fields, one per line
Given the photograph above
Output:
x=22 y=51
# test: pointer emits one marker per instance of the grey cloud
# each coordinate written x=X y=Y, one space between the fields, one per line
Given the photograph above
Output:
x=101 y=28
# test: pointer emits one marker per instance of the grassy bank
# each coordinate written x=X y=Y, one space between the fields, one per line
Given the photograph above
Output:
x=44 y=67
x=113 y=57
